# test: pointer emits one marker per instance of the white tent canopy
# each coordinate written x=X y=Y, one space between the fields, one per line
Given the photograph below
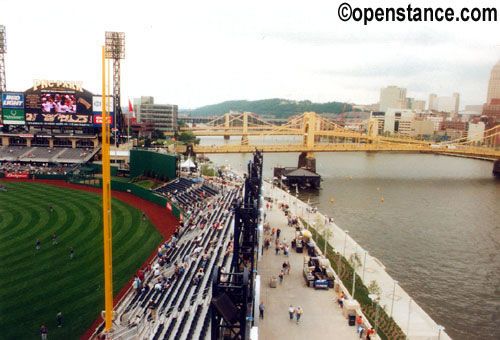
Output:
x=188 y=164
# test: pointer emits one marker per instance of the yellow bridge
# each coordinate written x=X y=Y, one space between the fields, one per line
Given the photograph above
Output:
x=322 y=135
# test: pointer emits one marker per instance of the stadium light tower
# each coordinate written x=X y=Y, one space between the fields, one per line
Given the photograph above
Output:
x=3 y=50
x=115 y=49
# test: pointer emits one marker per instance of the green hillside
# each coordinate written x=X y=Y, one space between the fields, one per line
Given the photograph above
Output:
x=280 y=108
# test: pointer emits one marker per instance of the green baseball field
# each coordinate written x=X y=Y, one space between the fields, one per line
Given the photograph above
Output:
x=37 y=284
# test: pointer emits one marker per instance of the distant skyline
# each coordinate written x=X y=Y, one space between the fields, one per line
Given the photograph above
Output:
x=200 y=53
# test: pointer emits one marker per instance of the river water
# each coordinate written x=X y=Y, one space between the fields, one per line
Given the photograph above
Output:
x=437 y=231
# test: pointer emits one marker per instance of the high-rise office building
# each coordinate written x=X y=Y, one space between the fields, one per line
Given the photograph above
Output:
x=491 y=110
x=164 y=116
x=493 y=97
x=392 y=97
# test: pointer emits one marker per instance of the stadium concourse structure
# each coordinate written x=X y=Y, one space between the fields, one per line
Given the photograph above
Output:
x=203 y=283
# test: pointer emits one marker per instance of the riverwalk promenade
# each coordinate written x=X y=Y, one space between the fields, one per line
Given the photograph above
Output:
x=321 y=313
x=322 y=317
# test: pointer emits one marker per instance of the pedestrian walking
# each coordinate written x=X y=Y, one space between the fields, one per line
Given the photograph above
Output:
x=59 y=319
x=277 y=249
x=261 y=310
x=291 y=312
x=71 y=253
x=54 y=239
x=44 y=332
x=359 y=323
x=299 y=313
x=288 y=266
x=369 y=333
x=284 y=266
x=152 y=307
x=281 y=276
x=37 y=244
x=51 y=208
x=143 y=216
x=278 y=232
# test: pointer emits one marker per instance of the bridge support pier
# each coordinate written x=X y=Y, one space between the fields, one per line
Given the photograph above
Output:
x=307 y=160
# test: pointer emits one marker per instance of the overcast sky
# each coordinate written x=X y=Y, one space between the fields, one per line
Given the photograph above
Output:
x=195 y=53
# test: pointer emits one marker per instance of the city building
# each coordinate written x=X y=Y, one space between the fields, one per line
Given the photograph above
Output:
x=396 y=117
x=475 y=131
x=454 y=129
x=444 y=104
x=164 y=116
x=474 y=108
x=392 y=97
x=144 y=129
x=491 y=109
x=436 y=120
x=417 y=105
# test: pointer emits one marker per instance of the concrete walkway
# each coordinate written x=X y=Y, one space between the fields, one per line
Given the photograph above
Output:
x=321 y=318
x=412 y=319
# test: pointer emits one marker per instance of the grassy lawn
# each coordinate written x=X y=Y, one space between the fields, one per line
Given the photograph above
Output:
x=36 y=284
x=145 y=183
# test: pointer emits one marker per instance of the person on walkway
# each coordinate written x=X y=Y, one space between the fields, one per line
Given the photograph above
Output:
x=71 y=253
x=51 y=208
x=278 y=233
x=359 y=323
x=369 y=333
x=288 y=266
x=37 y=244
x=143 y=216
x=54 y=239
x=284 y=266
x=277 y=249
x=261 y=310
x=291 y=312
x=59 y=319
x=299 y=313
x=44 y=332
x=152 y=307
x=282 y=274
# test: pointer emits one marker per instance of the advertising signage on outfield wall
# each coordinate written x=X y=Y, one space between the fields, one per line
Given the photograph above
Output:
x=13 y=108
x=97 y=107
x=53 y=105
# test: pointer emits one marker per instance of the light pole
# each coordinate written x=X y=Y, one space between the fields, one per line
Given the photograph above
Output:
x=440 y=328
x=296 y=197
x=340 y=259
x=376 y=298
x=393 y=292
x=345 y=240
x=354 y=265
x=364 y=265
x=326 y=236
x=408 y=324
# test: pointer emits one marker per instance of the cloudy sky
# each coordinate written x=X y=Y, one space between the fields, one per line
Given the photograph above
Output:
x=195 y=53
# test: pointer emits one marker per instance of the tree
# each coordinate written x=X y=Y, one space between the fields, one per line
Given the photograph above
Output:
x=187 y=137
x=374 y=288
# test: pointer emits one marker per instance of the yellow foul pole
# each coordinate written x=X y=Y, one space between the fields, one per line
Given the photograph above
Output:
x=106 y=204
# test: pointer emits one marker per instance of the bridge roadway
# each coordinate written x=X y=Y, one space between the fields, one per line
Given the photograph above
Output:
x=478 y=152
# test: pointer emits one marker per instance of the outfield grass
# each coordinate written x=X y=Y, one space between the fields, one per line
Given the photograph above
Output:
x=35 y=285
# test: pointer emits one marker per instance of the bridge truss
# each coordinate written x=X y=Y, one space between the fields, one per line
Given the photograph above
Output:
x=319 y=134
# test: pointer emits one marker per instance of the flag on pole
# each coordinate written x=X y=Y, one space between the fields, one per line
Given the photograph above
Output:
x=131 y=109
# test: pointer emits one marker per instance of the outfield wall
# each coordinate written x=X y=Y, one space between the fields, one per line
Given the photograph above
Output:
x=118 y=186
x=143 y=162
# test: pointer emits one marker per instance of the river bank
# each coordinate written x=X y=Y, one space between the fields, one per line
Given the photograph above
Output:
x=412 y=319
